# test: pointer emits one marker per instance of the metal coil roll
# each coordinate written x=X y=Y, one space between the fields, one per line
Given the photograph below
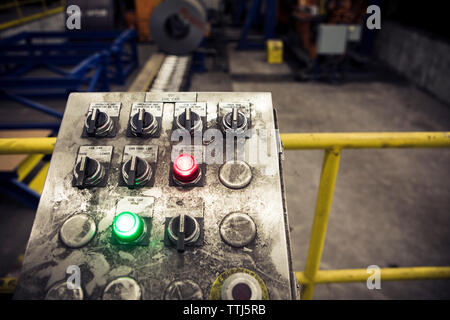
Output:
x=178 y=26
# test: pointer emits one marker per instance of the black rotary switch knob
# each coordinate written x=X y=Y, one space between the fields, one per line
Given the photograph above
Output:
x=143 y=123
x=183 y=229
x=136 y=172
x=98 y=123
x=189 y=120
x=234 y=121
x=88 y=172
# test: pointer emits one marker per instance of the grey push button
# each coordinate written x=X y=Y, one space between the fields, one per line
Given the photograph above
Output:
x=237 y=229
x=235 y=174
x=61 y=291
x=77 y=231
x=183 y=290
x=123 y=288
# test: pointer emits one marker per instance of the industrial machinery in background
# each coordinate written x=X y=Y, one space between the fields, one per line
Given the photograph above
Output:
x=69 y=61
x=187 y=31
x=324 y=37
x=191 y=27
x=138 y=214
x=178 y=26
x=39 y=67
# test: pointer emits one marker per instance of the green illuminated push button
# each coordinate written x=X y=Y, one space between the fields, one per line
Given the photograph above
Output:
x=127 y=226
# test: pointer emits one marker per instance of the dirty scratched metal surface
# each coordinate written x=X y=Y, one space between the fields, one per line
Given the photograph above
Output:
x=155 y=267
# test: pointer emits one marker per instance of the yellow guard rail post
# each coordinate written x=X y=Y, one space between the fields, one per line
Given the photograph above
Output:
x=332 y=143
x=328 y=178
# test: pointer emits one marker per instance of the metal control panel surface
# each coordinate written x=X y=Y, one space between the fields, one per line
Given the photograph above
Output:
x=243 y=228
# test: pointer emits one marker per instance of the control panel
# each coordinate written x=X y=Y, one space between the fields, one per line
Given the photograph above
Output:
x=162 y=196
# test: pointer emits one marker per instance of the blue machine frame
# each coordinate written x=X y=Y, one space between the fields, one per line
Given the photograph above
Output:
x=18 y=190
x=78 y=61
x=28 y=50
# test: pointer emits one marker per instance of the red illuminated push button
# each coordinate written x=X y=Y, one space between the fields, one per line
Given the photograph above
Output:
x=186 y=170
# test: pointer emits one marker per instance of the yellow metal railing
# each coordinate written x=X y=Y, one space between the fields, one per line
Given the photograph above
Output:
x=332 y=143
x=365 y=140
x=21 y=18
x=27 y=145
x=386 y=274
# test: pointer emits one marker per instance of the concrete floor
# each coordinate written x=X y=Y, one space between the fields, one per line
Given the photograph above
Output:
x=391 y=207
